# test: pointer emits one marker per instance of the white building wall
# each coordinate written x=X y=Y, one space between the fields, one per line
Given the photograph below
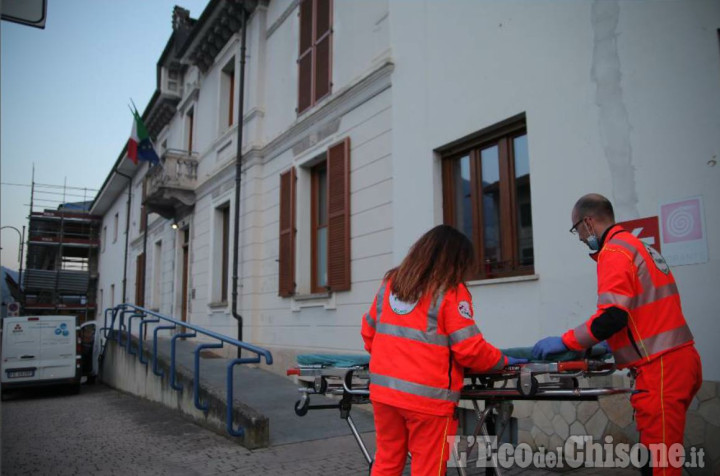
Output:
x=112 y=254
x=465 y=67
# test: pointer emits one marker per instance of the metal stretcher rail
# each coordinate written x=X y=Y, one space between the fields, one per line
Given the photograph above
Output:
x=351 y=385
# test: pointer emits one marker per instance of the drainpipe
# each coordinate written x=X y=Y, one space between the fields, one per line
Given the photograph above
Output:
x=238 y=171
x=127 y=234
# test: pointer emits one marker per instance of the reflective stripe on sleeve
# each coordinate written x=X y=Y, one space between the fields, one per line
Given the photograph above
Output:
x=614 y=298
x=649 y=293
x=464 y=333
x=652 y=345
x=414 y=388
x=584 y=337
x=370 y=321
x=412 y=334
x=379 y=298
x=500 y=363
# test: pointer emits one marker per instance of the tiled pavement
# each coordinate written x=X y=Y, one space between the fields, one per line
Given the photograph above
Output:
x=102 y=431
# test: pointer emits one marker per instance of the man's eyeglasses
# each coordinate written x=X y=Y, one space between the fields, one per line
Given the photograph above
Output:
x=574 y=230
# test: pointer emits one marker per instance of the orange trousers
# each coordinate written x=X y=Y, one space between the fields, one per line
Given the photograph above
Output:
x=668 y=385
x=398 y=431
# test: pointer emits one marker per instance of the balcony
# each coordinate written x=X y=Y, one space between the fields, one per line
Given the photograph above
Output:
x=170 y=187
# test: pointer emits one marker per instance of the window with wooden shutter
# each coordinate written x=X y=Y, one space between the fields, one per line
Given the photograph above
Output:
x=315 y=52
x=286 y=255
x=338 y=216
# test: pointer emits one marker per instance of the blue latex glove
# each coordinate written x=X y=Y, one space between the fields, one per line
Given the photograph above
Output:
x=605 y=346
x=515 y=361
x=547 y=346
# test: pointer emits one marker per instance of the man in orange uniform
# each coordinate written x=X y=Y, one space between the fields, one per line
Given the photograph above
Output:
x=639 y=314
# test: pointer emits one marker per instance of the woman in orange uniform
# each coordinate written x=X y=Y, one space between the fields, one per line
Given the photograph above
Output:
x=421 y=335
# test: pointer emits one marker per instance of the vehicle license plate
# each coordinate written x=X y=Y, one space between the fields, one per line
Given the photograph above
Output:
x=20 y=373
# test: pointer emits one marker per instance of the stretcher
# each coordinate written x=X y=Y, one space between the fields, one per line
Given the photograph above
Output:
x=346 y=379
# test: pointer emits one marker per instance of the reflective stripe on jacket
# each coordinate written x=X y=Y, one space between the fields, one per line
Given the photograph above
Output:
x=635 y=277
x=418 y=353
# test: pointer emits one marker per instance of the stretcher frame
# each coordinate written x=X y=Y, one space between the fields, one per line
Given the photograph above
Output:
x=351 y=386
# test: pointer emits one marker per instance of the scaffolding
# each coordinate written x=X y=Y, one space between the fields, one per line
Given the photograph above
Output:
x=62 y=252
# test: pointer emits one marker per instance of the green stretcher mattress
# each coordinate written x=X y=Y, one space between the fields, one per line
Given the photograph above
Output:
x=350 y=360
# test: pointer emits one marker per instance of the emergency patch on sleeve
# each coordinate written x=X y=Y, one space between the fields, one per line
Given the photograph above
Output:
x=465 y=309
x=658 y=259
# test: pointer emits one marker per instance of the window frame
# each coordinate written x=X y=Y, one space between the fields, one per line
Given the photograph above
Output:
x=224 y=212
x=227 y=95
x=503 y=136
x=315 y=226
x=312 y=50
x=189 y=129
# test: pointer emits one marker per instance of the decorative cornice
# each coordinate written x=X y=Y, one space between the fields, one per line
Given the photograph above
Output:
x=320 y=118
x=338 y=104
x=277 y=23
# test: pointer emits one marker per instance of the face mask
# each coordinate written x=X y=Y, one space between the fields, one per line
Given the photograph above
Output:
x=592 y=239
x=593 y=243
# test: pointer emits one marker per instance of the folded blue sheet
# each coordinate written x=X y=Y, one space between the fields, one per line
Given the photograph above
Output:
x=352 y=360
x=333 y=360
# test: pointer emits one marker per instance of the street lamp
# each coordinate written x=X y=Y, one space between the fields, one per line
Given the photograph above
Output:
x=21 y=236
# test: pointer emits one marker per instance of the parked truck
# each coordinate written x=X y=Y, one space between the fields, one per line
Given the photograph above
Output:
x=40 y=351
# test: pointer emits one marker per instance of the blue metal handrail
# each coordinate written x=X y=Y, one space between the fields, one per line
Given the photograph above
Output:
x=117 y=315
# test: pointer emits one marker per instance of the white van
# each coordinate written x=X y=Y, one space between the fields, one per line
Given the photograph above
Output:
x=40 y=350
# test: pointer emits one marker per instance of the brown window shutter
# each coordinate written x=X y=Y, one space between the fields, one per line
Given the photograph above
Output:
x=338 y=177
x=140 y=280
x=286 y=255
x=305 y=56
x=323 y=48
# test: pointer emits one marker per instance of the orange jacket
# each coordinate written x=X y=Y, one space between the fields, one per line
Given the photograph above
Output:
x=418 y=351
x=635 y=278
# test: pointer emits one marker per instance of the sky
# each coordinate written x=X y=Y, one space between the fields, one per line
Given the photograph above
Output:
x=64 y=95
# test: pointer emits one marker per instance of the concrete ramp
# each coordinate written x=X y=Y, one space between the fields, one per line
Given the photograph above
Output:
x=263 y=401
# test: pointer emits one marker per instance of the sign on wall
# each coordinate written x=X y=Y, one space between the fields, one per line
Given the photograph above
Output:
x=645 y=229
x=682 y=231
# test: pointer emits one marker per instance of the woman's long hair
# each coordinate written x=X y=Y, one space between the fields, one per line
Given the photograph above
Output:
x=440 y=260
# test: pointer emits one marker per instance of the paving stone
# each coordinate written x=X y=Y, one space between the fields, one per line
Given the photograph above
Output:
x=585 y=410
x=560 y=426
x=618 y=409
x=694 y=429
x=708 y=390
x=710 y=411
x=541 y=420
x=545 y=408
x=568 y=410
x=525 y=436
x=541 y=439
x=712 y=445
x=523 y=409
x=596 y=425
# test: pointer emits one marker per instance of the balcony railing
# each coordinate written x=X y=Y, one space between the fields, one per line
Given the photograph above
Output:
x=170 y=187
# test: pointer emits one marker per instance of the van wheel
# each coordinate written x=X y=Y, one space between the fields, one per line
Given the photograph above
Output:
x=74 y=389
x=3 y=396
x=91 y=379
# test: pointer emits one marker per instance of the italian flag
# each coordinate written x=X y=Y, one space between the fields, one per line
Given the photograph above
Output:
x=139 y=146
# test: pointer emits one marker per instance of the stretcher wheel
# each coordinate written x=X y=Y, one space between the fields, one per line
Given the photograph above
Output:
x=530 y=388
x=302 y=405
